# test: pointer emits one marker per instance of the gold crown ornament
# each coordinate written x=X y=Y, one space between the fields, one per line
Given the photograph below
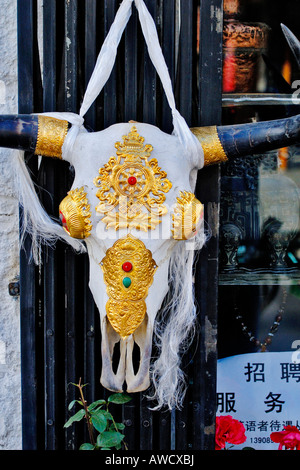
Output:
x=132 y=188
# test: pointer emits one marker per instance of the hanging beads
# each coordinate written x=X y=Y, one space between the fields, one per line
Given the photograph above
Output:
x=272 y=331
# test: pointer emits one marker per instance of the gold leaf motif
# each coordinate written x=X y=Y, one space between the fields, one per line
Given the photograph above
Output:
x=125 y=316
x=75 y=214
x=133 y=183
x=126 y=307
x=186 y=217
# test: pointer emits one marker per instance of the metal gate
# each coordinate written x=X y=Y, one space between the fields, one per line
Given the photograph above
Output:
x=60 y=331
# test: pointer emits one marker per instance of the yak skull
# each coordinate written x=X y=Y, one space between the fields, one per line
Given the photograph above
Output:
x=132 y=202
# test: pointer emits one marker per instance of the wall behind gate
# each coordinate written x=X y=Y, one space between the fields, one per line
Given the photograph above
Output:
x=10 y=380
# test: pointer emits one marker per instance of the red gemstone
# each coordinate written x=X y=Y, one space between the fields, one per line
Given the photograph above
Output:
x=127 y=266
x=132 y=180
x=63 y=219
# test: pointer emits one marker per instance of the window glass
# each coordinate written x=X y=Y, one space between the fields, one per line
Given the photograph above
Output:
x=259 y=276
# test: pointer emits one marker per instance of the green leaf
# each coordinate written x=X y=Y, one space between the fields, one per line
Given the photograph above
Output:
x=73 y=403
x=86 y=446
x=77 y=417
x=95 y=404
x=109 y=439
x=119 y=398
x=99 y=422
x=107 y=414
x=120 y=426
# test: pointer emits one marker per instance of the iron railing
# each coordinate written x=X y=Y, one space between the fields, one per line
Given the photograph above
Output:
x=60 y=329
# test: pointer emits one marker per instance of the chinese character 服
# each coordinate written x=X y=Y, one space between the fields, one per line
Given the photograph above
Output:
x=226 y=402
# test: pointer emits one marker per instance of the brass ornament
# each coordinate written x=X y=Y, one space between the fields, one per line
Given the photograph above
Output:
x=51 y=135
x=128 y=270
x=211 y=145
x=75 y=214
x=132 y=183
x=243 y=45
x=186 y=217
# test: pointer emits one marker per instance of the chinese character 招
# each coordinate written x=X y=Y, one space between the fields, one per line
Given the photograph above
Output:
x=255 y=372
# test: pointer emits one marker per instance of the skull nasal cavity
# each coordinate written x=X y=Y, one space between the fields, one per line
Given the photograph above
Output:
x=116 y=357
x=136 y=357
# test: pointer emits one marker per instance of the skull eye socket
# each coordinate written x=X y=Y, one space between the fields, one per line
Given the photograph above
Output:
x=74 y=213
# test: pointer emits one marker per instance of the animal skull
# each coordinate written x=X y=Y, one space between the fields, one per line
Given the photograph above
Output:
x=132 y=203
x=145 y=194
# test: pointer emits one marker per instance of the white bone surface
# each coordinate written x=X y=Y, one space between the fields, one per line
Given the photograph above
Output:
x=91 y=151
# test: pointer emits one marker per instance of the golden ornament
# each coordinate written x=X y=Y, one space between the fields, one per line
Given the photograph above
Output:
x=51 y=135
x=132 y=183
x=75 y=214
x=211 y=145
x=186 y=217
x=128 y=270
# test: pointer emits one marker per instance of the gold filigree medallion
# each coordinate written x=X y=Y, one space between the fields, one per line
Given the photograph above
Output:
x=128 y=270
x=131 y=187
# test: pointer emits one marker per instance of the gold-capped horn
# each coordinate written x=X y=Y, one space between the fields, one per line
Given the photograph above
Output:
x=75 y=214
x=211 y=145
x=51 y=135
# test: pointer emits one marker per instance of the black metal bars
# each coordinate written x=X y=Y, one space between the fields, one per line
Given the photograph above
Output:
x=28 y=272
x=208 y=192
x=66 y=344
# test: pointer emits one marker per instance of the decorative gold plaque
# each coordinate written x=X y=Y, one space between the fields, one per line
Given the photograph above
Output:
x=186 y=217
x=130 y=183
x=128 y=269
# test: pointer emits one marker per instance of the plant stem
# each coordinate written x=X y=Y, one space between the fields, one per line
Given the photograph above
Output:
x=87 y=415
x=115 y=426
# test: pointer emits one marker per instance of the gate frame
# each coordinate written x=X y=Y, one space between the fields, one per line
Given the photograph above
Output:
x=41 y=292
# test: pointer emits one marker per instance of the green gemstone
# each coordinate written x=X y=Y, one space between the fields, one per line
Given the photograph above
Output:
x=126 y=281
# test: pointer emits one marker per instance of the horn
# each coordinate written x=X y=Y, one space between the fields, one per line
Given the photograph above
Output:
x=39 y=134
x=44 y=135
x=224 y=143
x=293 y=42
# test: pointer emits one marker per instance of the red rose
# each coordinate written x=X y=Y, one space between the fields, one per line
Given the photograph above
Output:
x=289 y=438
x=228 y=430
